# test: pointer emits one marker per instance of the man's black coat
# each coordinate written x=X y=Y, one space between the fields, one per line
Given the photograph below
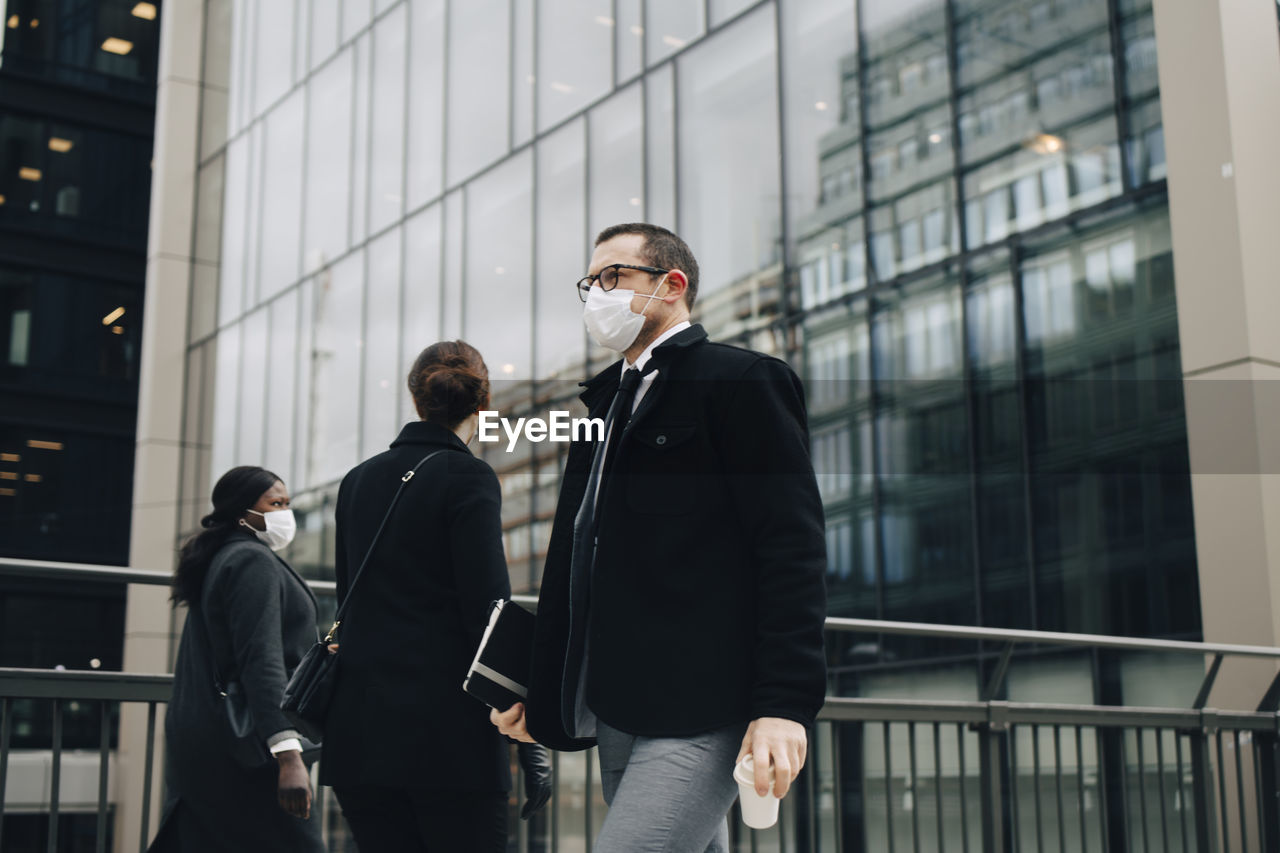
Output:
x=399 y=717
x=707 y=600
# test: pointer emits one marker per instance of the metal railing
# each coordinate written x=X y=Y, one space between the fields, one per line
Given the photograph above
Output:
x=891 y=774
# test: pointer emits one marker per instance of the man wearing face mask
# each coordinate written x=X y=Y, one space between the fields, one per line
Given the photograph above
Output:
x=681 y=607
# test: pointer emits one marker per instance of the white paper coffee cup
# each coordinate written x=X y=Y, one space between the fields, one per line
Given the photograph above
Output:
x=757 y=812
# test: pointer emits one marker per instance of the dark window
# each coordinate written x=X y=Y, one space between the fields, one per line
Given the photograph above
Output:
x=74 y=181
x=104 y=45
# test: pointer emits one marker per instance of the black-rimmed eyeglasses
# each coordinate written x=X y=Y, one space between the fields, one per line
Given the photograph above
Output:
x=608 y=278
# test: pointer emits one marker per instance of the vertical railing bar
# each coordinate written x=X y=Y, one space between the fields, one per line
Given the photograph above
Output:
x=888 y=788
x=1014 y=786
x=1057 y=785
x=555 y=800
x=522 y=832
x=754 y=836
x=784 y=822
x=964 y=784
x=915 y=810
x=1142 y=787
x=1254 y=755
x=1222 y=795
x=1104 y=819
x=1164 y=815
x=1084 y=823
x=6 y=724
x=147 y=772
x=55 y=777
x=104 y=758
x=811 y=773
x=1124 y=788
x=1182 y=797
x=1035 y=783
x=1244 y=817
x=937 y=782
x=837 y=781
x=588 y=816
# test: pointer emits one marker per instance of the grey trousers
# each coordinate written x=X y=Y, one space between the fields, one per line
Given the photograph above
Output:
x=667 y=795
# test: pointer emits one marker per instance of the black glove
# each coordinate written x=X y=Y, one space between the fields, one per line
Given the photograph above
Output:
x=535 y=761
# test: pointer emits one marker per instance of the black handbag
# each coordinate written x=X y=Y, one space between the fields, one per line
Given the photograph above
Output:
x=245 y=746
x=310 y=689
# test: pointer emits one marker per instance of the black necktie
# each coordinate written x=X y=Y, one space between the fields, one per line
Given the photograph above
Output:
x=616 y=421
x=582 y=559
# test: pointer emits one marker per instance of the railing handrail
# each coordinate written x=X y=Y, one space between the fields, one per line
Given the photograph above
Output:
x=85 y=571
x=84 y=684
x=1055 y=638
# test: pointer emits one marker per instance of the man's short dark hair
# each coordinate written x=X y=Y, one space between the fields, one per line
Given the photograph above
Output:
x=661 y=248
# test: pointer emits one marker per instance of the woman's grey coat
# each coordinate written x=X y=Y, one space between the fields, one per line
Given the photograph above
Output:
x=261 y=618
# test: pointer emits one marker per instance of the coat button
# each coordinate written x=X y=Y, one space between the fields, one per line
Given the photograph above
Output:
x=660 y=440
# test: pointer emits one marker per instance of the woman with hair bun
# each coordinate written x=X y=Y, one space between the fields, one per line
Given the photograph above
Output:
x=250 y=620
x=414 y=761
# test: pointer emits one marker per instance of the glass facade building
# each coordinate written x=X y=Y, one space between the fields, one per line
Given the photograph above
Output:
x=77 y=117
x=950 y=216
x=77 y=112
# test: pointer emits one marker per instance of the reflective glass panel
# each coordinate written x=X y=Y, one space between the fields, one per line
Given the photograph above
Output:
x=499 y=255
x=383 y=371
x=728 y=112
x=323 y=21
x=524 y=76
x=386 y=144
x=479 y=85
x=1142 y=90
x=282 y=196
x=420 y=318
x=617 y=160
x=562 y=252
x=575 y=56
x=333 y=445
x=670 y=26
x=232 y=268
x=1109 y=464
x=272 y=25
x=923 y=455
x=328 y=163
x=824 y=157
x=281 y=378
x=660 y=129
x=426 y=101
x=251 y=432
x=629 y=35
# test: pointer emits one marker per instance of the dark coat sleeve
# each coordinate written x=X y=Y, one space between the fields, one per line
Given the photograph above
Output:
x=475 y=541
x=248 y=592
x=775 y=494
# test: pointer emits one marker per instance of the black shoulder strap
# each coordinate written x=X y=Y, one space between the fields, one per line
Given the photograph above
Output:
x=404 y=481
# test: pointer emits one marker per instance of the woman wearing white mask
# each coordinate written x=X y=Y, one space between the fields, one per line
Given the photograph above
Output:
x=250 y=620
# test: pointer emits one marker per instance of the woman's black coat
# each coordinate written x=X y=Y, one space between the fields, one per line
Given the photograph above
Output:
x=261 y=618
x=399 y=717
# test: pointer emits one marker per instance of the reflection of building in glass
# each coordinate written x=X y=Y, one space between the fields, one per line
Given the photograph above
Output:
x=992 y=345
x=953 y=218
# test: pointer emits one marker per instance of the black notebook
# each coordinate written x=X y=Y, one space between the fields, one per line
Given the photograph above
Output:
x=499 y=675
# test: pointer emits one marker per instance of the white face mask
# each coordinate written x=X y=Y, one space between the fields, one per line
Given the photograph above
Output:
x=609 y=318
x=281 y=526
